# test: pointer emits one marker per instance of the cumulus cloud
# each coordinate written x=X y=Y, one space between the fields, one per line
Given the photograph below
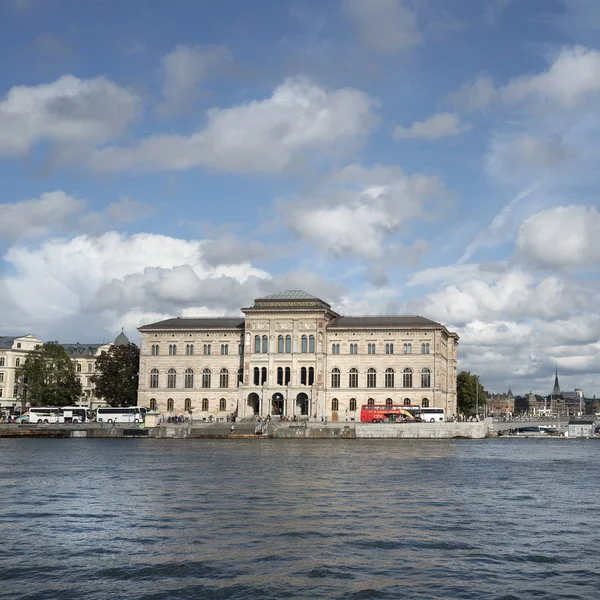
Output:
x=384 y=26
x=356 y=210
x=473 y=96
x=560 y=238
x=183 y=69
x=436 y=127
x=69 y=111
x=297 y=121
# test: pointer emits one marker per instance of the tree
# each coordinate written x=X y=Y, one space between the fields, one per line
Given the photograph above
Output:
x=117 y=374
x=468 y=394
x=48 y=378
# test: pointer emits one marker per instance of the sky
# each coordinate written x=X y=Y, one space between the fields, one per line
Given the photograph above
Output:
x=430 y=157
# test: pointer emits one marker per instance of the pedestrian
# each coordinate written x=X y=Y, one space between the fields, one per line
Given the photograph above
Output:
x=232 y=427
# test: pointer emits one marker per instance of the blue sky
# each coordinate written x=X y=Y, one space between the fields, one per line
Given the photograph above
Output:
x=433 y=157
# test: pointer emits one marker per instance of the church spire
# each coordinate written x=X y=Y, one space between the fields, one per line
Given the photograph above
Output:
x=556 y=390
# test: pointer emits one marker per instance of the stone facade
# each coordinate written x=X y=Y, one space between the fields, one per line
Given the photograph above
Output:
x=13 y=353
x=292 y=355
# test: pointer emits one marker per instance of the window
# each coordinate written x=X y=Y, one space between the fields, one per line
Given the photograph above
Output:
x=224 y=349
x=37 y=346
x=189 y=349
x=353 y=378
x=335 y=378
x=154 y=378
x=279 y=375
x=18 y=344
x=352 y=404
x=152 y=403
x=425 y=378
x=172 y=349
x=389 y=378
x=311 y=343
x=90 y=367
x=206 y=378
x=170 y=405
x=335 y=348
x=1 y=377
x=240 y=377
x=78 y=368
x=425 y=403
x=0 y=392
x=371 y=378
x=257 y=344
x=222 y=404
x=224 y=378
x=280 y=346
x=389 y=348
x=188 y=405
x=256 y=376
x=335 y=405
x=205 y=404
x=311 y=375
x=303 y=376
x=1 y=361
x=265 y=344
x=304 y=344
x=370 y=401
x=154 y=349
x=424 y=348
x=371 y=348
x=353 y=348
x=406 y=401
x=189 y=378
x=171 y=378
x=407 y=348
x=18 y=362
x=240 y=348
x=288 y=375
x=288 y=343
x=263 y=375
x=388 y=402
x=207 y=349
x=407 y=378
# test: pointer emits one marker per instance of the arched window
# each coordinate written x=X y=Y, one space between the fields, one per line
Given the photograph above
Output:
x=353 y=378
x=257 y=344
x=152 y=403
x=171 y=378
x=335 y=378
x=206 y=378
x=353 y=348
x=279 y=375
x=407 y=348
x=352 y=406
x=311 y=343
x=406 y=401
x=191 y=349
x=173 y=349
x=189 y=378
x=407 y=378
x=389 y=348
x=303 y=377
x=188 y=405
x=154 y=378
x=17 y=362
x=263 y=375
x=240 y=377
x=224 y=378
x=288 y=343
x=371 y=378
x=222 y=404
x=288 y=375
x=424 y=348
x=335 y=405
x=335 y=348
x=425 y=403
x=256 y=376
x=265 y=344
x=280 y=346
x=389 y=378
x=170 y=405
x=371 y=401
x=426 y=378
x=78 y=368
x=205 y=404
x=388 y=402
x=311 y=375
x=371 y=348
x=90 y=367
x=224 y=349
x=304 y=347
x=207 y=349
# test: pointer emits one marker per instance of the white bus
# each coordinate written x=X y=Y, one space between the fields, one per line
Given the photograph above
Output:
x=433 y=415
x=75 y=414
x=44 y=414
x=121 y=414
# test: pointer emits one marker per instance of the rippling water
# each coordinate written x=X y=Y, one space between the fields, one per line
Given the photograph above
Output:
x=150 y=519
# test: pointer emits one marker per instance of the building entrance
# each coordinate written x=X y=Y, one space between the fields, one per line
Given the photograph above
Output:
x=277 y=404
x=302 y=404
x=254 y=402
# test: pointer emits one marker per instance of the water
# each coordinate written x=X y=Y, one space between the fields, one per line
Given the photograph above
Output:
x=151 y=519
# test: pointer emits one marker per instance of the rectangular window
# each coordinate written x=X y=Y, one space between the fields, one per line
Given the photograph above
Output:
x=1 y=377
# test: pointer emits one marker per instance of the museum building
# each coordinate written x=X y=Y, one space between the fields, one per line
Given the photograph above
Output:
x=292 y=355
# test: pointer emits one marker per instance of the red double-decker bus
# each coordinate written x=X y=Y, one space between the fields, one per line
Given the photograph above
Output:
x=392 y=413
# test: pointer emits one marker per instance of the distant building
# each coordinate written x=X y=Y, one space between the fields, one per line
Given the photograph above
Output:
x=501 y=404
x=581 y=428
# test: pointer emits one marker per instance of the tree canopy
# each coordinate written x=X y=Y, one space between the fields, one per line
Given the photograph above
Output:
x=468 y=394
x=48 y=378
x=117 y=374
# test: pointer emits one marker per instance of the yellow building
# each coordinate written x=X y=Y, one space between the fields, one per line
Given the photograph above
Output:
x=292 y=355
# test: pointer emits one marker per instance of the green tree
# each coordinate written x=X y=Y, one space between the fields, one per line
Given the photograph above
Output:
x=48 y=378
x=117 y=374
x=470 y=392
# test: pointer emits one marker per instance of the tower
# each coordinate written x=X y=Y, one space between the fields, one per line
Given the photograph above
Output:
x=556 y=390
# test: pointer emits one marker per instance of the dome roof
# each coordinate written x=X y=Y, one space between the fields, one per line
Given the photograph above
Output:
x=121 y=339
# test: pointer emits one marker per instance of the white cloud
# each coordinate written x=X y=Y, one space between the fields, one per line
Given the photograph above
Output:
x=560 y=238
x=69 y=111
x=297 y=121
x=434 y=128
x=474 y=96
x=183 y=69
x=385 y=26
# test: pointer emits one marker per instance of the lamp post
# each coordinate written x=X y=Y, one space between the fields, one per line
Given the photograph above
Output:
x=477 y=396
